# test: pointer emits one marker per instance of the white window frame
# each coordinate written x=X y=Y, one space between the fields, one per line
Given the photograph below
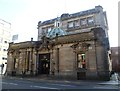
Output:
x=90 y=20
x=70 y=24
x=83 y=22
x=77 y=23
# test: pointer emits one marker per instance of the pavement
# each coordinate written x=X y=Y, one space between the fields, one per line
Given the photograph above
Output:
x=47 y=84
x=49 y=79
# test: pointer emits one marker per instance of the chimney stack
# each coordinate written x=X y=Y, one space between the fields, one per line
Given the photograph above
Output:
x=31 y=39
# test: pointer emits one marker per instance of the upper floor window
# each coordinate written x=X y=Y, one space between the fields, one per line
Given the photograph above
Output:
x=43 y=33
x=83 y=22
x=57 y=24
x=4 y=58
x=76 y=22
x=5 y=41
x=90 y=20
x=49 y=29
x=70 y=24
x=4 y=49
x=44 y=30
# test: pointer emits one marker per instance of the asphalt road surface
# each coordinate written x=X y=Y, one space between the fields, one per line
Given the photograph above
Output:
x=10 y=84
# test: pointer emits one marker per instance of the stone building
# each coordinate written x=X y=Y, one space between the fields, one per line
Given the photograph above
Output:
x=72 y=46
x=115 y=56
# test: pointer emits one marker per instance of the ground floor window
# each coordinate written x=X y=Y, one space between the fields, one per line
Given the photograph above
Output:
x=81 y=62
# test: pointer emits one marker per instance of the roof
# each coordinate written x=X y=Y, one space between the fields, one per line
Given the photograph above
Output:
x=73 y=38
x=68 y=16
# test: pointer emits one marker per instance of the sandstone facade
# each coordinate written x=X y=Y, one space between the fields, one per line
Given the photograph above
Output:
x=73 y=46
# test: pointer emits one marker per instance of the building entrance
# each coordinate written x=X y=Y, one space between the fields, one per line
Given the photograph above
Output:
x=44 y=63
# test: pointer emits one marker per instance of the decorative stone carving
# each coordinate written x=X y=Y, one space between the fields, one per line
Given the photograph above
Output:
x=80 y=47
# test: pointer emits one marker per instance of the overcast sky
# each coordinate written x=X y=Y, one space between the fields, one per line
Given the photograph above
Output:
x=25 y=14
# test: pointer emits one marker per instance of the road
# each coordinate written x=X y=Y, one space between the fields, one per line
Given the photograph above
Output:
x=11 y=84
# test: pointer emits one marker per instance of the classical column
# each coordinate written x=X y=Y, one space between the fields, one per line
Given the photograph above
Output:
x=52 y=64
x=36 y=61
x=31 y=61
x=10 y=62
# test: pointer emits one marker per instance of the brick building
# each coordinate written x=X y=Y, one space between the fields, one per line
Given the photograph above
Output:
x=72 y=46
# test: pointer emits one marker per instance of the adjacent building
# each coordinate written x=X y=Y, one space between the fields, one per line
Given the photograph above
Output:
x=115 y=56
x=5 y=38
x=72 y=46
